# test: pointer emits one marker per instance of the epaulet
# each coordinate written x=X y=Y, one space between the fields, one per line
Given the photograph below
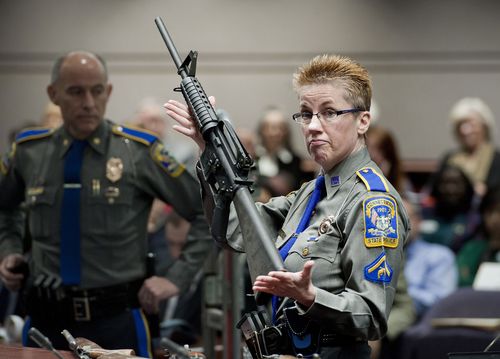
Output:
x=33 y=134
x=137 y=134
x=373 y=180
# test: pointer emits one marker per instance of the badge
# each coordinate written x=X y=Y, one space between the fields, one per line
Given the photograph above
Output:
x=379 y=271
x=166 y=161
x=381 y=222
x=114 y=169
x=326 y=225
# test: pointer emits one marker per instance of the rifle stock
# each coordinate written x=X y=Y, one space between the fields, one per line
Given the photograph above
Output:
x=226 y=165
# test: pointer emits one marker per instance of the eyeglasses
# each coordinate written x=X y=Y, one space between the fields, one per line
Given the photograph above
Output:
x=305 y=118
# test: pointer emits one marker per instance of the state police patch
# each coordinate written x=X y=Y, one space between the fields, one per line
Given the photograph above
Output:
x=381 y=222
x=379 y=271
x=166 y=161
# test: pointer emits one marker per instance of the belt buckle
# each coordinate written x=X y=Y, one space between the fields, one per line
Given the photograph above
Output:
x=81 y=309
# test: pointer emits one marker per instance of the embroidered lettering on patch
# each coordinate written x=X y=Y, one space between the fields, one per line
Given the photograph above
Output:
x=379 y=271
x=381 y=222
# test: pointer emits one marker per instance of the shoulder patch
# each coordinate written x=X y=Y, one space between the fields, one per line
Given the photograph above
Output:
x=4 y=164
x=166 y=161
x=380 y=215
x=379 y=271
x=136 y=134
x=33 y=133
x=6 y=159
x=373 y=180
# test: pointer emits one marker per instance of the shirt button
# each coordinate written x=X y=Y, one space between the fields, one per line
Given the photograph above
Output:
x=305 y=251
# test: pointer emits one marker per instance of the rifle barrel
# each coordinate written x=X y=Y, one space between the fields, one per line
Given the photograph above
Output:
x=170 y=45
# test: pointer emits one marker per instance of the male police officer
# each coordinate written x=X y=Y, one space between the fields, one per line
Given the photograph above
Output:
x=88 y=188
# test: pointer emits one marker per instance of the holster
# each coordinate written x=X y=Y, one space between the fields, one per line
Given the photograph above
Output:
x=295 y=335
x=261 y=337
x=303 y=333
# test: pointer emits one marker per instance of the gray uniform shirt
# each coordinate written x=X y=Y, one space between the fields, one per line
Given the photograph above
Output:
x=346 y=301
x=115 y=205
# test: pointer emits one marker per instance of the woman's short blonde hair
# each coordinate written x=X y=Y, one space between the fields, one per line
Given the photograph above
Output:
x=470 y=106
x=325 y=68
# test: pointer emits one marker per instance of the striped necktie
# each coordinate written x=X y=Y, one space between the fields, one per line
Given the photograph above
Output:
x=70 y=214
x=316 y=196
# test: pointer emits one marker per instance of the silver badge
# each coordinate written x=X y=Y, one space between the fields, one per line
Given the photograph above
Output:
x=326 y=225
x=114 y=169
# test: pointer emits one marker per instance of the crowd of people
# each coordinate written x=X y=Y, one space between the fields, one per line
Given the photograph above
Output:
x=455 y=217
x=84 y=200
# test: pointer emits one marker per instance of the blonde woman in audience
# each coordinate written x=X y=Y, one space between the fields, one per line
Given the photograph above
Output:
x=473 y=125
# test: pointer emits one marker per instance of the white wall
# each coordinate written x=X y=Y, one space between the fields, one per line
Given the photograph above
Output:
x=423 y=55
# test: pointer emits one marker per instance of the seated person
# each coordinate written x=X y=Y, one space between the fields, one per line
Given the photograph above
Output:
x=430 y=268
x=485 y=247
x=450 y=210
x=473 y=125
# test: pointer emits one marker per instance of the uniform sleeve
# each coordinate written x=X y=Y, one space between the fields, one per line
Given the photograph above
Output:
x=273 y=214
x=11 y=215
x=403 y=313
x=363 y=307
x=172 y=183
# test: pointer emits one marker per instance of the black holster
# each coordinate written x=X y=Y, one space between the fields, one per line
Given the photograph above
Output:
x=296 y=334
x=262 y=338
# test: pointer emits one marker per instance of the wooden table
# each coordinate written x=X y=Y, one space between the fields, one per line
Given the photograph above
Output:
x=17 y=352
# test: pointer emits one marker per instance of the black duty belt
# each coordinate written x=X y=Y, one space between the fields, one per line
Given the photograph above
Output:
x=304 y=337
x=83 y=305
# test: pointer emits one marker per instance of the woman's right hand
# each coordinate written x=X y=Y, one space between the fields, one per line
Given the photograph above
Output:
x=186 y=124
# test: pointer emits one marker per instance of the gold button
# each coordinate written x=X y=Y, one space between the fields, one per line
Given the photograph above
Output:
x=65 y=142
x=97 y=141
x=305 y=251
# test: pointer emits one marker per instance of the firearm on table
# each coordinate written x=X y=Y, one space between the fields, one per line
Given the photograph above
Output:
x=42 y=341
x=86 y=349
x=74 y=347
x=226 y=165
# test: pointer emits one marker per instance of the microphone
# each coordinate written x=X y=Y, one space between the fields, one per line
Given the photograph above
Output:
x=43 y=341
x=492 y=342
x=175 y=348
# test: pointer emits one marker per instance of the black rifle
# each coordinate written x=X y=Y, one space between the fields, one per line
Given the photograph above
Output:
x=225 y=164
